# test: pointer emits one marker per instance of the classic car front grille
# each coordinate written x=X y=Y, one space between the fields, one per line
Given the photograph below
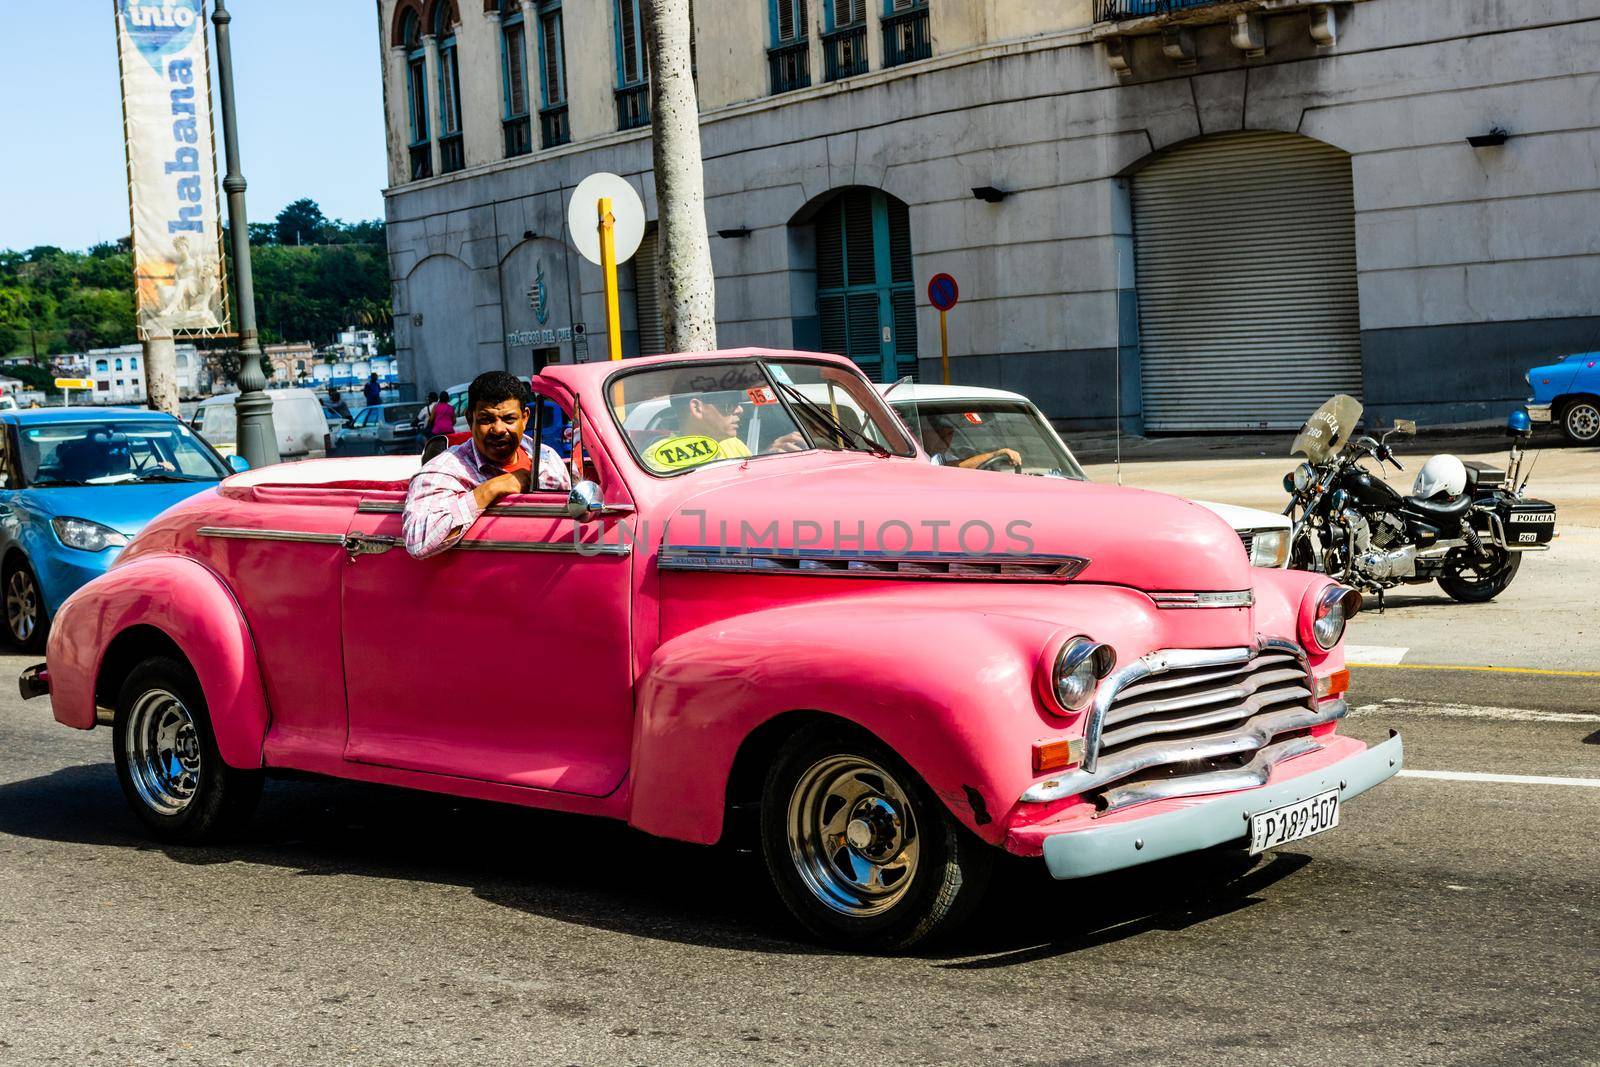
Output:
x=1249 y=539
x=1189 y=722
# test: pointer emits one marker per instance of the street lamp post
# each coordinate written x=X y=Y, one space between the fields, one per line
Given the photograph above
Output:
x=257 y=440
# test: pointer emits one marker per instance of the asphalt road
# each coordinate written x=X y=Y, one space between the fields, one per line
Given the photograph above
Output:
x=1443 y=922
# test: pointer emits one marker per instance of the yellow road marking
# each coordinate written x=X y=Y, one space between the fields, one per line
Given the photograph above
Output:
x=1462 y=667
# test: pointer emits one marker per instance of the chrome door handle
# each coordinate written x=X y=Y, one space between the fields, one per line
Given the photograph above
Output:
x=367 y=544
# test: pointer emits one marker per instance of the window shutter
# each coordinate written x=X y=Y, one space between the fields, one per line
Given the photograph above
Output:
x=554 y=82
x=830 y=247
x=791 y=20
x=848 y=12
x=652 y=335
x=864 y=337
x=630 y=42
x=858 y=238
x=517 y=89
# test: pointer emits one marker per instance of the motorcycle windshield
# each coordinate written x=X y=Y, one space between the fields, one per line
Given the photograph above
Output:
x=1325 y=432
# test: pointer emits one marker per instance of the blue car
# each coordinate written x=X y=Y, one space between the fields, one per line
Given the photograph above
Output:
x=1567 y=393
x=75 y=485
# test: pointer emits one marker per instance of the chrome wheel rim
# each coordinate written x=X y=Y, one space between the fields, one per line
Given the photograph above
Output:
x=162 y=744
x=853 y=835
x=1584 y=421
x=22 y=604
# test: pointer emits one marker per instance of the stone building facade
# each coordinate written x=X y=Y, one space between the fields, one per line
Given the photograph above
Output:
x=1190 y=213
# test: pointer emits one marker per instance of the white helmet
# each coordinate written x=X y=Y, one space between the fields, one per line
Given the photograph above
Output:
x=1443 y=474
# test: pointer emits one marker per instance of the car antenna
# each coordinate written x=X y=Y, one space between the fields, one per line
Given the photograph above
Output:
x=1117 y=392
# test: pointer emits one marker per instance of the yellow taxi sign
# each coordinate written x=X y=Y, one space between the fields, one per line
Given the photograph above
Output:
x=689 y=450
x=74 y=383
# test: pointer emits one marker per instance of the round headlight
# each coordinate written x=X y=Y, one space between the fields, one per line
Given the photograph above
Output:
x=1080 y=665
x=1334 y=608
x=1303 y=476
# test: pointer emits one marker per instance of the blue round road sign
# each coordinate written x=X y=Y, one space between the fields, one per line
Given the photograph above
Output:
x=942 y=292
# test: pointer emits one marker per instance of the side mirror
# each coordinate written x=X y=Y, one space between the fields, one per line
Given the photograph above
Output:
x=1405 y=427
x=585 y=502
x=238 y=463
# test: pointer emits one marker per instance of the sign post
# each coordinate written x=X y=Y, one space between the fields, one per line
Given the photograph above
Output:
x=67 y=385
x=606 y=220
x=943 y=294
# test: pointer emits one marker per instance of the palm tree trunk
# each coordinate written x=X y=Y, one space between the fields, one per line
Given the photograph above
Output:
x=688 y=297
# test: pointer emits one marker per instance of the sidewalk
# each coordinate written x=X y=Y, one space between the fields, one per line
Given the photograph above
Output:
x=1248 y=469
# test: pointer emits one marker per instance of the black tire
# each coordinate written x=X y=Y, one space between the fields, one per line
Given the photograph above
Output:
x=1580 y=421
x=944 y=878
x=27 y=622
x=207 y=800
x=1467 y=580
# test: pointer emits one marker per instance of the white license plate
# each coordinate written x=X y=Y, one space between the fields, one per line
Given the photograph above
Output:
x=1269 y=829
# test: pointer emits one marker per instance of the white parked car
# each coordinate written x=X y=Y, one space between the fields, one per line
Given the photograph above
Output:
x=982 y=423
x=297 y=418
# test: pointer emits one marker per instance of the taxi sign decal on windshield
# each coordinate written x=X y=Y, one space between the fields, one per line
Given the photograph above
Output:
x=689 y=450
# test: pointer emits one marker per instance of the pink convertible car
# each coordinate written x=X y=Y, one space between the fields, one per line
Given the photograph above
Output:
x=768 y=603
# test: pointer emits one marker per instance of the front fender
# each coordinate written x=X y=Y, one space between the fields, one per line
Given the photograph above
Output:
x=190 y=605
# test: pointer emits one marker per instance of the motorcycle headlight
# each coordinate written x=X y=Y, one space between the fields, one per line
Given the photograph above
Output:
x=1269 y=548
x=1080 y=665
x=1323 y=618
x=1302 y=477
x=86 y=535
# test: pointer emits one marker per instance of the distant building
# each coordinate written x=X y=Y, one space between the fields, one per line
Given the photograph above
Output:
x=355 y=344
x=351 y=374
x=118 y=373
x=290 y=362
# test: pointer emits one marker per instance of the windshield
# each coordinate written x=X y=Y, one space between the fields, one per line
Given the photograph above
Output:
x=683 y=416
x=108 y=453
x=959 y=432
x=1328 y=429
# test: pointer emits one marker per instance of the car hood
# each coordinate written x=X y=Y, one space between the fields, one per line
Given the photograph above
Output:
x=1554 y=378
x=1246 y=518
x=892 y=508
x=124 y=508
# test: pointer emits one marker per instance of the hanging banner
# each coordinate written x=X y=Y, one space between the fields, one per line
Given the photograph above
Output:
x=172 y=168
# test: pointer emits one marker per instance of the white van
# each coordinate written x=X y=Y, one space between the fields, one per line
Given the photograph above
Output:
x=297 y=418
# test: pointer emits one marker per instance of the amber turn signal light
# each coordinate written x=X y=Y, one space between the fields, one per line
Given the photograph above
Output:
x=1056 y=755
x=1333 y=685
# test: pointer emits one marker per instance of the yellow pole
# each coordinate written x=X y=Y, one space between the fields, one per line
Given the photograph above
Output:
x=608 y=265
x=944 y=349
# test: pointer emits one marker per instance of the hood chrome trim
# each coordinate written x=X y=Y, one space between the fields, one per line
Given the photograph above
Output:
x=1238 y=598
x=825 y=563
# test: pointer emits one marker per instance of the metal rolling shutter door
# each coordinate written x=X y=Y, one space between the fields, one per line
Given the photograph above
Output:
x=652 y=336
x=1246 y=260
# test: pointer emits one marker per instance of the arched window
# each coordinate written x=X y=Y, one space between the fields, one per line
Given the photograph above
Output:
x=416 y=96
x=133 y=362
x=101 y=366
x=183 y=361
x=452 y=154
x=514 y=79
x=865 y=298
x=119 y=363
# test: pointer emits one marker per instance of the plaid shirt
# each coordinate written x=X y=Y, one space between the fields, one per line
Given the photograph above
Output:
x=440 y=506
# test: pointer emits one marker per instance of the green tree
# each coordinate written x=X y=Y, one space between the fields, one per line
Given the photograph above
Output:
x=302 y=223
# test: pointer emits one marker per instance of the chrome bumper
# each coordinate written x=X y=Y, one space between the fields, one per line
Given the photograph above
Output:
x=1096 y=850
x=1537 y=412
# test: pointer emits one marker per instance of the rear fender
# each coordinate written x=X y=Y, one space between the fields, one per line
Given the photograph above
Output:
x=191 y=607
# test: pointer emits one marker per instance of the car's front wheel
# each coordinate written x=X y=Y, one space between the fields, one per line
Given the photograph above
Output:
x=1580 y=421
x=860 y=849
x=167 y=759
x=26 y=622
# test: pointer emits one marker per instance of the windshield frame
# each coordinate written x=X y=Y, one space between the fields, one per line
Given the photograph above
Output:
x=886 y=413
x=205 y=447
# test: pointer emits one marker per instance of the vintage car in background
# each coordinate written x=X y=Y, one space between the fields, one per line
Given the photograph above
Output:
x=1567 y=393
x=76 y=484
x=978 y=422
x=899 y=672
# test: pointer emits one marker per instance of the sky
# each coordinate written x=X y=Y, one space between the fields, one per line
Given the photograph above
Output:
x=310 y=100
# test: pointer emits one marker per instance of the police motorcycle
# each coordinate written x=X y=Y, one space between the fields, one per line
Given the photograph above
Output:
x=1465 y=525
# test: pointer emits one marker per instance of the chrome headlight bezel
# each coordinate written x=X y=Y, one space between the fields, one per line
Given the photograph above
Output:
x=1323 y=621
x=86 y=535
x=1303 y=476
x=1079 y=666
x=1269 y=547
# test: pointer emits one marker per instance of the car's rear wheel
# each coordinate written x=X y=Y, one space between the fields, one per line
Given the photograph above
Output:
x=167 y=758
x=26 y=621
x=860 y=849
x=1580 y=421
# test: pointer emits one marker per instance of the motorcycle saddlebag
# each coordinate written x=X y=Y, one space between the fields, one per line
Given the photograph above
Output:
x=1528 y=522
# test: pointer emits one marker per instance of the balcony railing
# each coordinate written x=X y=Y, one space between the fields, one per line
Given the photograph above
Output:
x=553 y=127
x=519 y=136
x=905 y=37
x=1118 y=10
x=452 y=154
x=633 y=107
x=790 y=65
x=844 y=52
x=421 y=161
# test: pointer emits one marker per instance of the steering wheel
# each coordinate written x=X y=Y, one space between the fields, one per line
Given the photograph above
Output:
x=1000 y=462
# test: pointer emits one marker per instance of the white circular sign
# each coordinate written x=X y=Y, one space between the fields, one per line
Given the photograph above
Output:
x=583 y=216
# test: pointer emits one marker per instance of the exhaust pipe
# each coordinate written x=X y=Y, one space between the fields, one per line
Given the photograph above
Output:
x=34 y=682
